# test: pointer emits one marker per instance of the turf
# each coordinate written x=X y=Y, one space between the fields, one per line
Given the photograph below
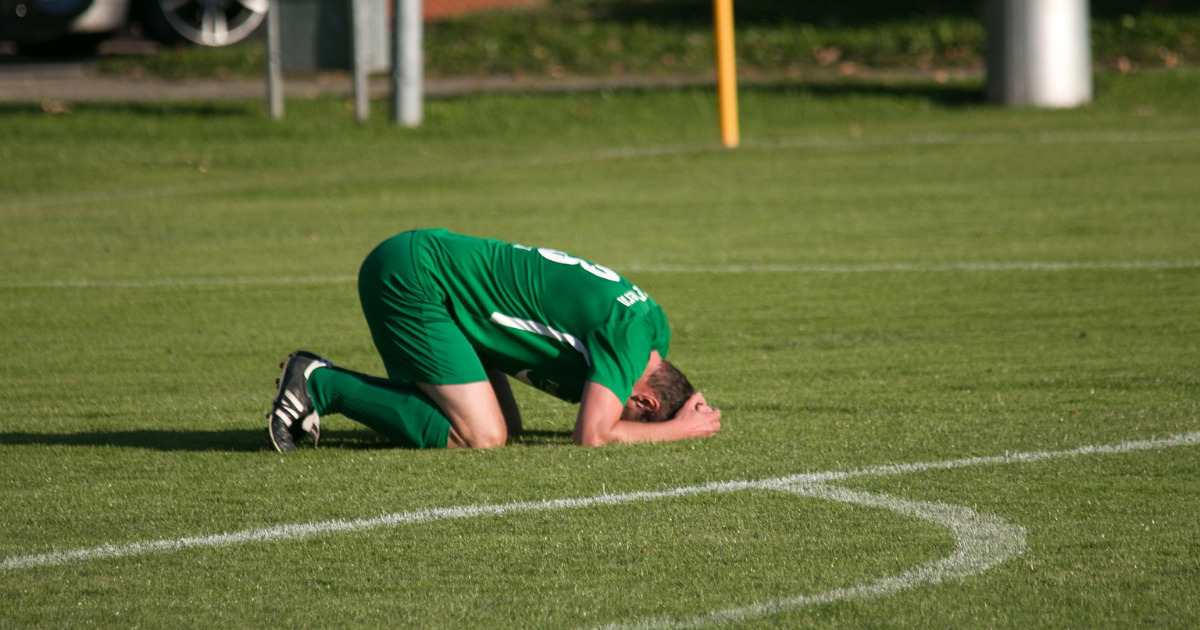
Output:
x=882 y=274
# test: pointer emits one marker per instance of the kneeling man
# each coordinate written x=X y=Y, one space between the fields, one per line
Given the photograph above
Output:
x=452 y=315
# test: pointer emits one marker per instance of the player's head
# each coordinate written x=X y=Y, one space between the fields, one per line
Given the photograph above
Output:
x=669 y=389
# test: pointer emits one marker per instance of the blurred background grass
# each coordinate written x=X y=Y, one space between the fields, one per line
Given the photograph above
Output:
x=561 y=38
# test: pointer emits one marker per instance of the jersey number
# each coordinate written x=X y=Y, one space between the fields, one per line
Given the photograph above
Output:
x=599 y=271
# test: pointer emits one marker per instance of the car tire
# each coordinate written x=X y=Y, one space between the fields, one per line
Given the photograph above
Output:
x=65 y=47
x=204 y=22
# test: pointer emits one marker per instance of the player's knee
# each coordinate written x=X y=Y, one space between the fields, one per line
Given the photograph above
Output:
x=488 y=438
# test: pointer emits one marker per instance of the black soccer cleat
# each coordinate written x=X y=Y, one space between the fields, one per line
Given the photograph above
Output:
x=292 y=415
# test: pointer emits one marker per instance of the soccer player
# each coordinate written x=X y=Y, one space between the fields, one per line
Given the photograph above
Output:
x=452 y=315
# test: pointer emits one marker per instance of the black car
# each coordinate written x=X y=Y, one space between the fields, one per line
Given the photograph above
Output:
x=70 y=26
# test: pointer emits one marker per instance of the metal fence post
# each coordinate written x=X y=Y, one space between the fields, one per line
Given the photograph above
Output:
x=1039 y=52
x=274 y=62
x=407 y=63
x=359 y=18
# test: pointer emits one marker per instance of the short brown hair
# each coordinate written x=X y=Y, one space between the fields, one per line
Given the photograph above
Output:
x=672 y=389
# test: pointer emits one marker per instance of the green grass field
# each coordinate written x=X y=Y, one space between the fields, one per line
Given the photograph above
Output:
x=882 y=275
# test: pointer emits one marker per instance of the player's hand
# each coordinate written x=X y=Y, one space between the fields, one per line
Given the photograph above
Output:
x=700 y=419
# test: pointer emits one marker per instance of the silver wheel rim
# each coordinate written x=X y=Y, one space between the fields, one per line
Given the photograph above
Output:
x=214 y=22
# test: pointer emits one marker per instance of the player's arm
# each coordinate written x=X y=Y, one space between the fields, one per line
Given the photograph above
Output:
x=600 y=422
x=508 y=404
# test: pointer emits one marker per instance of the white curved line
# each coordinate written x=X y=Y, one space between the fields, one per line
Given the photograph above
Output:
x=981 y=541
x=306 y=530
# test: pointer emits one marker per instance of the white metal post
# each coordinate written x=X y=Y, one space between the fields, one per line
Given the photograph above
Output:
x=274 y=62
x=407 y=63
x=360 y=58
x=1039 y=52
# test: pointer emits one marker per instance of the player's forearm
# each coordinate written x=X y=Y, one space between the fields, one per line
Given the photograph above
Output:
x=599 y=412
x=626 y=431
x=600 y=421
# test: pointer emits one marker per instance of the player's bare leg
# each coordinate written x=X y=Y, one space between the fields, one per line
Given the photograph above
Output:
x=474 y=412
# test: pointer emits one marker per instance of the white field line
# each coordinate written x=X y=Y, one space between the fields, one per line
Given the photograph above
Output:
x=1187 y=439
x=981 y=266
x=216 y=282
x=974 y=139
x=842 y=143
x=1130 y=265
x=308 y=530
x=981 y=542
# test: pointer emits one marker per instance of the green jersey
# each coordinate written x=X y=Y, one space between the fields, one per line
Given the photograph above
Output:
x=547 y=318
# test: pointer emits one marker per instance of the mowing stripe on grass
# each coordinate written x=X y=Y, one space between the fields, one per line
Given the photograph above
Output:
x=307 y=530
x=841 y=143
x=421 y=170
x=1128 y=265
x=982 y=266
x=130 y=283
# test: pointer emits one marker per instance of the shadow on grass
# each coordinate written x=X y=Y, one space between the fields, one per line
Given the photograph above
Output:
x=159 y=109
x=542 y=438
x=949 y=95
x=237 y=441
x=151 y=439
x=911 y=86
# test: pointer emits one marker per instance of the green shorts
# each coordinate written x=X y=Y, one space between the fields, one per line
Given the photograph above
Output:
x=412 y=329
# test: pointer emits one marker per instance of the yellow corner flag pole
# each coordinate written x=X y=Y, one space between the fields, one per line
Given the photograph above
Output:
x=726 y=72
